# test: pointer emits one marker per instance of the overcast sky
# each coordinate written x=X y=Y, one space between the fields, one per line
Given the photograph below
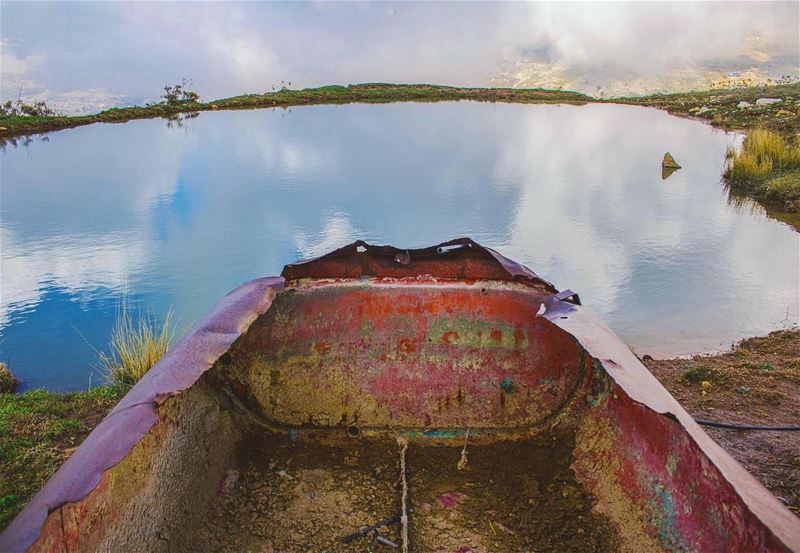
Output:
x=87 y=55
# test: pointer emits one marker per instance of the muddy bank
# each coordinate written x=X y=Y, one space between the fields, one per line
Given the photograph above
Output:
x=757 y=383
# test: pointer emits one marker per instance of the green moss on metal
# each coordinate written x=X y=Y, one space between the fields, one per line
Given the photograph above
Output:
x=466 y=332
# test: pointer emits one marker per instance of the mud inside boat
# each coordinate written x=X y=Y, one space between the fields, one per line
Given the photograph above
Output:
x=274 y=428
x=511 y=496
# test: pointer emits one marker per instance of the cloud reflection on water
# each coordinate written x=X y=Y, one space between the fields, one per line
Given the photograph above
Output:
x=179 y=216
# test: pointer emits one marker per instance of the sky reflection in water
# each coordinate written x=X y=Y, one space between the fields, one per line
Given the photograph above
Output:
x=179 y=215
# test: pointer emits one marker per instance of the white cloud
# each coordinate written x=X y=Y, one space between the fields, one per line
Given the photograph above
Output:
x=338 y=232
x=133 y=49
x=80 y=265
x=17 y=73
x=626 y=48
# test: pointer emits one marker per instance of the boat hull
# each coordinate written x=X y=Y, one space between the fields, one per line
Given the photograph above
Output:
x=442 y=347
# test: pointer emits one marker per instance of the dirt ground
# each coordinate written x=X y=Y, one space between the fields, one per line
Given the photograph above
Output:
x=757 y=383
x=295 y=497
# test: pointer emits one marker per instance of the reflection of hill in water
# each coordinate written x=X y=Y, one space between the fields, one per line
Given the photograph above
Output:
x=666 y=172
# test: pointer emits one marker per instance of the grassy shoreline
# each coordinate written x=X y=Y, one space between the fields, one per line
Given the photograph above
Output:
x=720 y=107
x=39 y=429
x=11 y=127
x=717 y=107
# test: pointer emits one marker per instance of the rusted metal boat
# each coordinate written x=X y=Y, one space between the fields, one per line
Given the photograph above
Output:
x=440 y=399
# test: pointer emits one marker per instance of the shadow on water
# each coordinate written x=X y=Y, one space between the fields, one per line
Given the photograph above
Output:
x=23 y=141
x=748 y=205
x=177 y=120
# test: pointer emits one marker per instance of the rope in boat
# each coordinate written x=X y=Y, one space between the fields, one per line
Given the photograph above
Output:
x=462 y=463
x=403 y=443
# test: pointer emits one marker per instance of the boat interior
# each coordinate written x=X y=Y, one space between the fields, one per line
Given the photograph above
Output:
x=368 y=414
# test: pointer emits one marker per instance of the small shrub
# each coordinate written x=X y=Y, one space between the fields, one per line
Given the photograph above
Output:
x=9 y=506
x=785 y=190
x=179 y=93
x=699 y=373
x=136 y=345
x=761 y=367
x=18 y=108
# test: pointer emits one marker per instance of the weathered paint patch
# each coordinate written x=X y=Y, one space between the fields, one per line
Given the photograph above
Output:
x=449 y=500
x=385 y=358
x=672 y=464
x=463 y=331
x=664 y=518
x=599 y=393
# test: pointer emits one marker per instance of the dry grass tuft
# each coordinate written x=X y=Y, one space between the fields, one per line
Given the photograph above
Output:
x=136 y=345
x=763 y=152
x=768 y=167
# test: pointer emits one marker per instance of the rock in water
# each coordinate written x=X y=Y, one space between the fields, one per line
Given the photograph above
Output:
x=669 y=161
x=668 y=166
x=666 y=172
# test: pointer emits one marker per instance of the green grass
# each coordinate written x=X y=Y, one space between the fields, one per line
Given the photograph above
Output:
x=698 y=373
x=137 y=343
x=760 y=367
x=767 y=168
x=721 y=105
x=38 y=431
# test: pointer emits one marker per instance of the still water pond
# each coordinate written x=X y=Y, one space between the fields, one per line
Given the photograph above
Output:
x=178 y=215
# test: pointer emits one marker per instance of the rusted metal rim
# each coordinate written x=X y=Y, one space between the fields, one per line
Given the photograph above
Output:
x=462 y=259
